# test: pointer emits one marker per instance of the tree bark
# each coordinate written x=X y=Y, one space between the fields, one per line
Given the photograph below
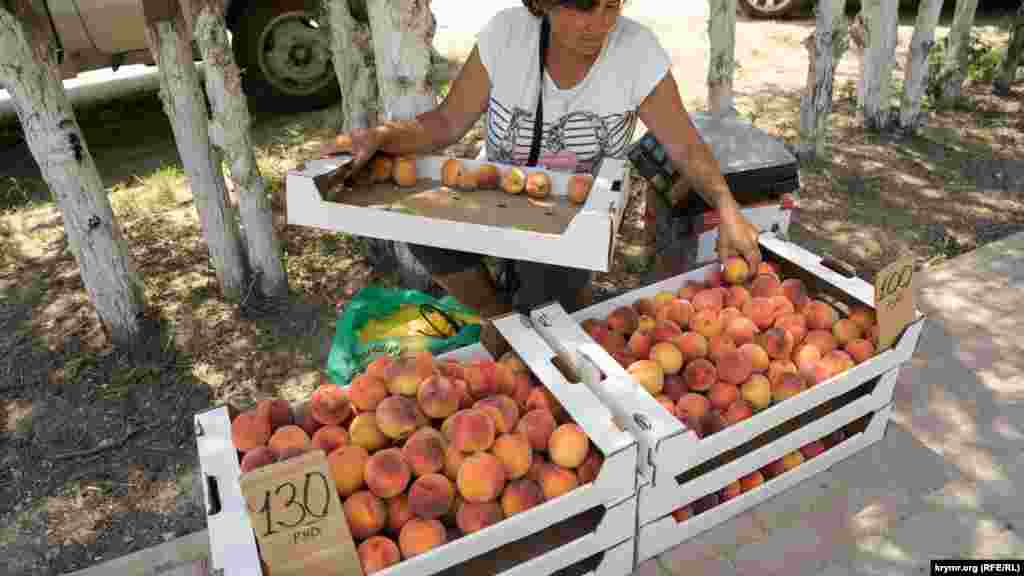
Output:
x=230 y=133
x=878 y=48
x=1008 y=68
x=921 y=44
x=722 y=62
x=353 y=58
x=185 y=106
x=29 y=73
x=825 y=50
x=958 y=43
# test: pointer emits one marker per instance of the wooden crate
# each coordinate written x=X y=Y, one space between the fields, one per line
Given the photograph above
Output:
x=597 y=520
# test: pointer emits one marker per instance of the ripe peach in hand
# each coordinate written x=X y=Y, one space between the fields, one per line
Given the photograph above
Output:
x=538 y=185
x=579 y=187
x=700 y=375
x=649 y=374
x=405 y=171
x=568 y=446
x=757 y=391
x=382 y=166
x=488 y=176
x=735 y=270
x=514 y=180
x=846 y=330
x=451 y=172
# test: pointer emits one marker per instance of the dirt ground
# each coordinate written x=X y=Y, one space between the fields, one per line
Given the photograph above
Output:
x=97 y=455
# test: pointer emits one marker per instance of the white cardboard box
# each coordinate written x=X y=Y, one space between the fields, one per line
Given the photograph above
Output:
x=587 y=241
x=609 y=501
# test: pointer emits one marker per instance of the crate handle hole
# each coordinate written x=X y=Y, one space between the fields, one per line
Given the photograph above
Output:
x=213 y=506
x=567 y=370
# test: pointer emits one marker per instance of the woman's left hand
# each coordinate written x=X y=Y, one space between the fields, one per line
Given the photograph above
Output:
x=737 y=236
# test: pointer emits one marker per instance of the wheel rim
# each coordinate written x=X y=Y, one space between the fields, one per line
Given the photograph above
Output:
x=770 y=6
x=293 y=54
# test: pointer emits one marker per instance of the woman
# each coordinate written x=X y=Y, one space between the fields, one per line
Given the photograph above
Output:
x=601 y=73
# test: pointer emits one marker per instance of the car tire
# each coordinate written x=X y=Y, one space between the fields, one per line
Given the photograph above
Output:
x=299 y=75
x=770 y=8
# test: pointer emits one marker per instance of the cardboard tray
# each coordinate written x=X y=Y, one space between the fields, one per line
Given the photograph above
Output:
x=491 y=222
x=577 y=526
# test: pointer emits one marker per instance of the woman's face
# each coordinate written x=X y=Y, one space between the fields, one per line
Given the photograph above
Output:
x=584 y=31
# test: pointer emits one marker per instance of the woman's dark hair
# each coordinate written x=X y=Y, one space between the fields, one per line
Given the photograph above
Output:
x=539 y=7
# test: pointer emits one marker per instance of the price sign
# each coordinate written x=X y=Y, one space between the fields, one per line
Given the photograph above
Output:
x=297 y=516
x=894 y=300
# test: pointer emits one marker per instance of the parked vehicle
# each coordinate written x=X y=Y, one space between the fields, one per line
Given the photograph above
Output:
x=280 y=45
x=783 y=8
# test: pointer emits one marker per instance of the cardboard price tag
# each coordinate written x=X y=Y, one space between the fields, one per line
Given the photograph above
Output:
x=297 y=516
x=894 y=300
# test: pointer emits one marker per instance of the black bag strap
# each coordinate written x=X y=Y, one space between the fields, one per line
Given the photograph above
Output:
x=538 y=119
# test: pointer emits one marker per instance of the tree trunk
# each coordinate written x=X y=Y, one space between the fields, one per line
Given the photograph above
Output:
x=958 y=43
x=29 y=74
x=352 y=54
x=183 y=102
x=1008 y=68
x=722 y=62
x=230 y=132
x=878 y=47
x=917 y=63
x=825 y=50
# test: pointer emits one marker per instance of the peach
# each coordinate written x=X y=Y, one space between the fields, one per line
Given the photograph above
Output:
x=387 y=473
x=761 y=311
x=403 y=377
x=713 y=278
x=735 y=368
x=759 y=360
x=521 y=495
x=774 y=468
x=366 y=391
x=674 y=387
x=502 y=409
x=431 y=496
x=860 y=350
x=863 y=316
x=515 y=453
x=538 y=185
x=765 y=286
x=662 y=298
x=736 y=297
x=846 y=330
x=593 y=326
x=812 y=449
x=640 y=344
x=471 y=430
x=366 y=514
x=719 y=345
x=398 y=513
x=304 y=419
x=623 y=358
x=649 y=374
x=556 y=481
x=678 y=311
x=872 y=334
x=364 y=431
x=792 y=460
x=277 y=410
x=820 y=315
x=623 y=320
x=474 y=516
x=405 y=171
x=522 y=391
x=780 y=367
x=451 y=172
x=480 y=379
x=795 y=291
x=741 y=330
x=708 y=299
x=693 y=405
x=751 y=481
x=420 y=535
x=823 y=340
x=579 y=187
x=700 y=374
x=757 y=391
x=591 y=467
x=481 y=478
x=766 y=267
x=347 y=466
x=286 y=437
x=838 y=361
x=795 y=324
x=513 y=180
x=782 y=306
x=424 y=451
x=645 y=306
x=377 y=553
x=257 y=458
x=665 y=330
x=690 y=289
x=568 y=446
x=504 y=379
x=715 y=422
x=722 y=394
x=707 y=323
x=682 y=514
x=777 y=343
x=453 y=460
x=330 y=404
x=805 y=357
x=669 y=357
x=537 y=425
x=735 y=270
x=488 y=177
x=380 y=367
x=398 y=417
x=738 y=411
x=542 y=398
x=438 y=397
x=250 y=430
x=513 y=362
x=789 y=385
x=730 y=491
x=645 y=323
x=613 y=341
x=691 y=345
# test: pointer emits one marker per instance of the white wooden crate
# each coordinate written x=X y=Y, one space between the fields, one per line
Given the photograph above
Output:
x=588 y=242
x=542 y=540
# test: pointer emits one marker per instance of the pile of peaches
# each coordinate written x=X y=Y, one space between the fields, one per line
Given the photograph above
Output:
x=718 y=352
x=423 y=450
x=456 y=173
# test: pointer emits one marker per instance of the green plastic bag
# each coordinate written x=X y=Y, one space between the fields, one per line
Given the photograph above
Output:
x=381 y=320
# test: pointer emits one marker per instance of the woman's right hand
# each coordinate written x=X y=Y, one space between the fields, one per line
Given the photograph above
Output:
x=361 y=143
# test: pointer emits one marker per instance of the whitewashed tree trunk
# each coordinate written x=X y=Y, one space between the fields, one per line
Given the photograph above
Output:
x=825 y=50
x=916 y=77
x=28 y=72
x=958 y=43
x=353 y=58
x=185 y=106
x=879 y=21
x=1008 y=68
x=722 y=59
x=230 y=132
